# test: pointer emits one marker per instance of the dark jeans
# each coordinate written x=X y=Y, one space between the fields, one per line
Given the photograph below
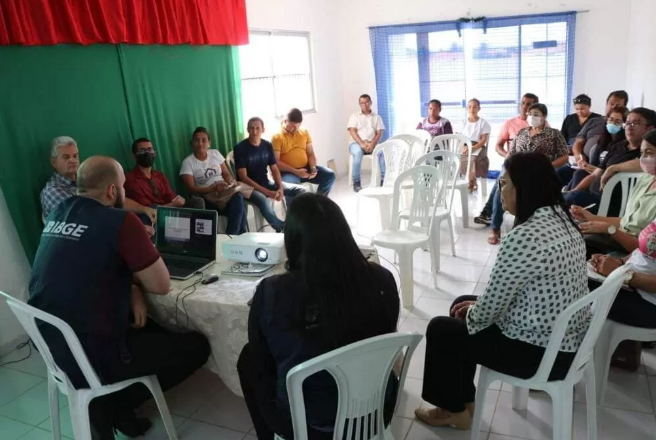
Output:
x=236 y=213
x=565 y=174
x=267 y=418
x=630 y=308
x=487 y=209
x=602 y=244
x=577 y=178
x=583 y=199
x=452 y=354
x=172 y=357
x=264 y=204
x=325 y=178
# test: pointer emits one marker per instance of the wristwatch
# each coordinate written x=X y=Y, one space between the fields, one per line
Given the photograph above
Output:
x=628 y=277
x=611 y=230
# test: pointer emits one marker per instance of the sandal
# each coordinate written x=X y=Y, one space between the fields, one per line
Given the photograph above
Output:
x=494 y=237
x=473 y=186
x=460 y=421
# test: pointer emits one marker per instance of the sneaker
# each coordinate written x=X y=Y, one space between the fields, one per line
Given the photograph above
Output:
x=357 y=186
x=483 y=219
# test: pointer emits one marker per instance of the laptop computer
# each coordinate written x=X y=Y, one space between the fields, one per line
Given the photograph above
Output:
x=186 y=239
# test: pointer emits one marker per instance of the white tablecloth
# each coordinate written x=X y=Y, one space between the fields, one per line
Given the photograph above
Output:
x=218 y=310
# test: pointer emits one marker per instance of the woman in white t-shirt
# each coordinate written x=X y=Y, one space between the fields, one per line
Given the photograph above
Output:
x=478 y=130
x=205 y=172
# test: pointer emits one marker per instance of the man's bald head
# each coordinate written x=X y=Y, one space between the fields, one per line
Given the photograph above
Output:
x=102 y=178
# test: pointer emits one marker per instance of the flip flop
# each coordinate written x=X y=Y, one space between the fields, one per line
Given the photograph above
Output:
x=494 y=237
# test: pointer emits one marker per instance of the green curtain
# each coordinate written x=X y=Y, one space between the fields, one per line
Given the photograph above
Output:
x=104 y=96
x=171 y=90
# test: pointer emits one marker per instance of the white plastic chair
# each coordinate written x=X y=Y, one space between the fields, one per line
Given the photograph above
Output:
x=454 y=143
x=78 y=399
x=258 y=218
x=561 y=391
x=428 y=186
x=423 y=135
x=447 y=163
x=612 y=334
x=361 y=371
x=627 y=182
x=395 y=153
x=418 y=147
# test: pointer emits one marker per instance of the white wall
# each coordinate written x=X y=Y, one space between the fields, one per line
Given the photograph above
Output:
x=641 y=63
x=599 y=32
x=319 y=17
x=14 y=278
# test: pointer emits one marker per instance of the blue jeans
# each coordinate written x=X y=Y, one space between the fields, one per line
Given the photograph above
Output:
x=325 y=178
x=497 y=208
x=583 y=199
x=235 y=212
x=565 y=174
x=358 y=153
x=264 y=204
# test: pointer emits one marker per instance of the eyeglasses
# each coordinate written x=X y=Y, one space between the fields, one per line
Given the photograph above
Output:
x=153 y=185
x=145 y=151
x=633 y=124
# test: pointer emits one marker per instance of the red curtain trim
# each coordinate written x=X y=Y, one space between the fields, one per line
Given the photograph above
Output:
x=198 y=22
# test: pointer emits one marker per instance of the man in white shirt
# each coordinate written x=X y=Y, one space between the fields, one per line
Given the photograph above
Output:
x=366 y=129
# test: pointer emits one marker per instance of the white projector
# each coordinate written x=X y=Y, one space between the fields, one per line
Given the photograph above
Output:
x=251 y=247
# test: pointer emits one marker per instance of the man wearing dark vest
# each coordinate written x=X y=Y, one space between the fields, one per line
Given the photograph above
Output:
x=93 y=263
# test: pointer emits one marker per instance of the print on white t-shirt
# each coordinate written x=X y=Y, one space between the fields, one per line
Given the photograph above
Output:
x=206 y=172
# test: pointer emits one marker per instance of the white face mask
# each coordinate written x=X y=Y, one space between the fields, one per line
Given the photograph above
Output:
x=534 y=121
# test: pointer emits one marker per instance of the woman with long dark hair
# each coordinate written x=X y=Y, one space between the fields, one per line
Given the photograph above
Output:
x=330 y=296
x=539 y=272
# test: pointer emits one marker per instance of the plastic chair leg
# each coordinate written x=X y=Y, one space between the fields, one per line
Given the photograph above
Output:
x=78 y=404
x=483 y=186
x=434 y=245
x=603 y=352
x=385 y=213
x=481 y=391
x=563 y=408
x=464 y=203
x=53 y=397
x=405 y=271
x=591 y=399
x=451 y=235
x=153 y=385
x=520 y=398
x=434 y=259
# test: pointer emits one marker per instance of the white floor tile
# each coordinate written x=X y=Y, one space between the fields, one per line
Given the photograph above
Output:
x=157 y=432
x=410 y=398
x=502 y=437
x=416 y=367
x=400 y=427
x=485 y=276
x=532 y=424
x=480 y=289
x=626 y=391
x=227 y=410
x=186 y=398
x=461 y=272
x=649 y=361
x=37 y=434
x=469 y=257
x=32 y=407
x=614 y=424
x=193 y=430
x=13 y=430
x=428 y=308
x=32 y=365
x=14 y=383
x=447 y=288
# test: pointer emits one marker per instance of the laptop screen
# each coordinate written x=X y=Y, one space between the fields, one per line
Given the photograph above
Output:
x=186 y=232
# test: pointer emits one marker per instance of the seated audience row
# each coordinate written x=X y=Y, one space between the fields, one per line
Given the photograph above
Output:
x=206 y=175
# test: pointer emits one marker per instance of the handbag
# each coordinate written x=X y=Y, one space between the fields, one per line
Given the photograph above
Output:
x=222 y=198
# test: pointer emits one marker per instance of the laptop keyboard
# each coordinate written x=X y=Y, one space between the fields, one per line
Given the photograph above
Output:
x=182 y=268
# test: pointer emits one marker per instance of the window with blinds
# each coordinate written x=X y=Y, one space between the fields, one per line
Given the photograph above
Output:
x=276 y=74
x=495 y=60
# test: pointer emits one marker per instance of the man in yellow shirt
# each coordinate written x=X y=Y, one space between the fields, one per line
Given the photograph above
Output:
x=295 y=155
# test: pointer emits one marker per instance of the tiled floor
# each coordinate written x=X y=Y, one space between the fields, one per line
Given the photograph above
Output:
x=205 y=409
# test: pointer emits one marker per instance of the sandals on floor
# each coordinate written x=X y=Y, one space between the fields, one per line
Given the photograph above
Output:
x=494 y=238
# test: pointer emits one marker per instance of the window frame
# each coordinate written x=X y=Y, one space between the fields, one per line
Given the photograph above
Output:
x=272 y=33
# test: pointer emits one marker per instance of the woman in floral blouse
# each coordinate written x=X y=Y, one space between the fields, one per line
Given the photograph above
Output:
x=538 y=138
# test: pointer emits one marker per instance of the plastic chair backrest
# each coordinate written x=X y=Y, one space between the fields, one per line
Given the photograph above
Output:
x=230 y=162
x=428 y=185
x=627 y=182
x=423 y=135
x=417 y=147
x=603 y=297
x=447 y=163
x=453 y=143
x=361 y=371
x=27 y=316
x=395 y=152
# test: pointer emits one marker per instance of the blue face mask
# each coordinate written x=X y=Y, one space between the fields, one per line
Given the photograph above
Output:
x=612 y=128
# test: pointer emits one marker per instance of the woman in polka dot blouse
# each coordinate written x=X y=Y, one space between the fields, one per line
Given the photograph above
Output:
x=540 y=270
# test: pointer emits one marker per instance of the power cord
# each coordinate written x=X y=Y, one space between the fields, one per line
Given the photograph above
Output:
x=182 y=294
x=18 y=347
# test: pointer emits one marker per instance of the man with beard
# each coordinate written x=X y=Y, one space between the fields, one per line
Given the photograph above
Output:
x=93 y=264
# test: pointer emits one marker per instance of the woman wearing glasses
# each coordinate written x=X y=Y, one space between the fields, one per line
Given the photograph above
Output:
x=622 y=157
x=574 y=123
x=540 y=271
x=613 y=133
x=536 y=138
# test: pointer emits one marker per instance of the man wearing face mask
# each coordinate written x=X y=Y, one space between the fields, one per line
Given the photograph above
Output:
x=145 y=185
x=93 y=264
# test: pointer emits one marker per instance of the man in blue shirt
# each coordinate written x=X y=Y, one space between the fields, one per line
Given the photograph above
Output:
x=252 y=157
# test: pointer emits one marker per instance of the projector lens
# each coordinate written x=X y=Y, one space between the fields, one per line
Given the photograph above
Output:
x=261 y=254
